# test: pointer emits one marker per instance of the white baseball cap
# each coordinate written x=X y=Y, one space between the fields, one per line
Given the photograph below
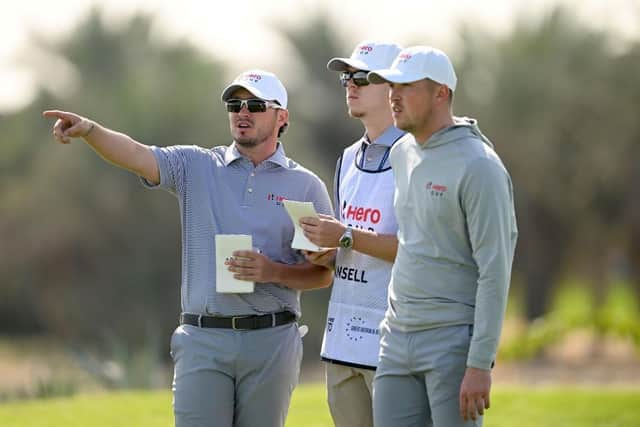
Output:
x=367 y=56
x=417 y=63
x=260 y=83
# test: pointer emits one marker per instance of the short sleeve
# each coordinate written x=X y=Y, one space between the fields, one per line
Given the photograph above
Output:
x=172 y=164
x=319 y=195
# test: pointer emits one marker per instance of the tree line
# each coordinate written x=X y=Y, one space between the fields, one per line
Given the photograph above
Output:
x=87 y=253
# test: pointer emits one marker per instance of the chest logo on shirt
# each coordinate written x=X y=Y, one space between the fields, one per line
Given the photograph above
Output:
x=436 y=190
x=276 y=199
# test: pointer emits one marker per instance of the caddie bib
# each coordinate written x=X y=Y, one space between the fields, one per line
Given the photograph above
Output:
x=359 y=295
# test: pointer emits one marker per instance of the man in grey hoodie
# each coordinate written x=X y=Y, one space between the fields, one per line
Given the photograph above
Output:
x=457 y=235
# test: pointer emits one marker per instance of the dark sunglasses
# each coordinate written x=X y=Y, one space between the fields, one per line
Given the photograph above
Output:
x=253 y=105
x=359 y=78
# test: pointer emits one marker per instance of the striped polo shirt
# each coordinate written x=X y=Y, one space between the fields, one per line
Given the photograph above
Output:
x=221 y=192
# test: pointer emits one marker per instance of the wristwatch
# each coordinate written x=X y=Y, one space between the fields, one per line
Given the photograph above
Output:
x=346 y=241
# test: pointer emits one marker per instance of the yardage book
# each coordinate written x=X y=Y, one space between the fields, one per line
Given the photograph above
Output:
x=296 y=211
x=226 y=244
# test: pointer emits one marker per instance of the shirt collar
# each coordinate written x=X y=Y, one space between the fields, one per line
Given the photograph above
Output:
x=279 y=157
x=231 y=154
x=387 y=138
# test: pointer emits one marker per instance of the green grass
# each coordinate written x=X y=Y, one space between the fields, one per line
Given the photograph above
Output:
x=566 y=407
x=513 y=406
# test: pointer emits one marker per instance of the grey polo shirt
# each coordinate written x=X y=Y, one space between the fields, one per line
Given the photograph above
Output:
x=221 y=192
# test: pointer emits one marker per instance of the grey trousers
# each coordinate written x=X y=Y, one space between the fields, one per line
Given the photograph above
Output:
x=419 y=376
x=226 y=378
x=349 y=392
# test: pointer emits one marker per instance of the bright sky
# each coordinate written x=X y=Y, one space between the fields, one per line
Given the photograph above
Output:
x=245 y=32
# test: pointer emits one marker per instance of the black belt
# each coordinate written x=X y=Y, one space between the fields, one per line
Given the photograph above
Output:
x=238 y=323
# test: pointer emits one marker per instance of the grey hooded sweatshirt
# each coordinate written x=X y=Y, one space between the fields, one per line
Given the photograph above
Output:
x=457 y=236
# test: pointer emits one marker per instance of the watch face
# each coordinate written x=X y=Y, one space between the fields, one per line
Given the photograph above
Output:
x=346 y=241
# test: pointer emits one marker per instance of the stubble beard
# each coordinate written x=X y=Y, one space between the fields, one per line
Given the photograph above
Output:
x=403 y=125
x=415 y=124
x=260 y=137
x=247 y=142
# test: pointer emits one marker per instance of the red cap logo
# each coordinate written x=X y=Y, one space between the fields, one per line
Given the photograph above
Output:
x=404 y=57
x=253 y=78
x=365 y=49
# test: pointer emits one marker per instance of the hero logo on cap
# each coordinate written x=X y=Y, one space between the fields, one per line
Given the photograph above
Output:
x=367 y=55
x=252 y=77
x=262 y=84
x=365 y=49
x=404 y=57
x=417 y=63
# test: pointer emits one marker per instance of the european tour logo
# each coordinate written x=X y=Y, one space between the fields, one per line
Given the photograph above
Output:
x=276 y=199
x=356 y=329
x=436 y=190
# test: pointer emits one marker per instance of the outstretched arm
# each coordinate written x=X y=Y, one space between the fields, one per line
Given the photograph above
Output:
x=115 y=147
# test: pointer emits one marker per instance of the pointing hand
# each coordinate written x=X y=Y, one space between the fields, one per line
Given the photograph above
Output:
x=69 y=125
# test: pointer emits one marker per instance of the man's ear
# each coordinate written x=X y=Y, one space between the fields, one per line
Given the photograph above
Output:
x=443 y=93
x=283 y=117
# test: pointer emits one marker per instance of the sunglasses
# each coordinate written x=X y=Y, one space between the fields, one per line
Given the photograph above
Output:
x=253 y=105
x=359 y=78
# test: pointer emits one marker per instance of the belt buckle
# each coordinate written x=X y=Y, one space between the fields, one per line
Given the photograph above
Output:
x=233 y=323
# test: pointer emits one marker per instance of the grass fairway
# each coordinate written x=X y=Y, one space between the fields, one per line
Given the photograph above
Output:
x=520 y=407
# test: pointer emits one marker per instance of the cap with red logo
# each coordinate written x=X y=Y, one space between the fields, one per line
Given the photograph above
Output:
x=367 y=56
x=417 y=63
x=260 y=83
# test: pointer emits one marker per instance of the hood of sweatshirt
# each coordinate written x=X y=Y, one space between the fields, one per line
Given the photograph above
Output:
x=463 y=127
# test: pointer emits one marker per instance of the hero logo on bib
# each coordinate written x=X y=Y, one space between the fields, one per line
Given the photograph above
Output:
x=359 y=213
